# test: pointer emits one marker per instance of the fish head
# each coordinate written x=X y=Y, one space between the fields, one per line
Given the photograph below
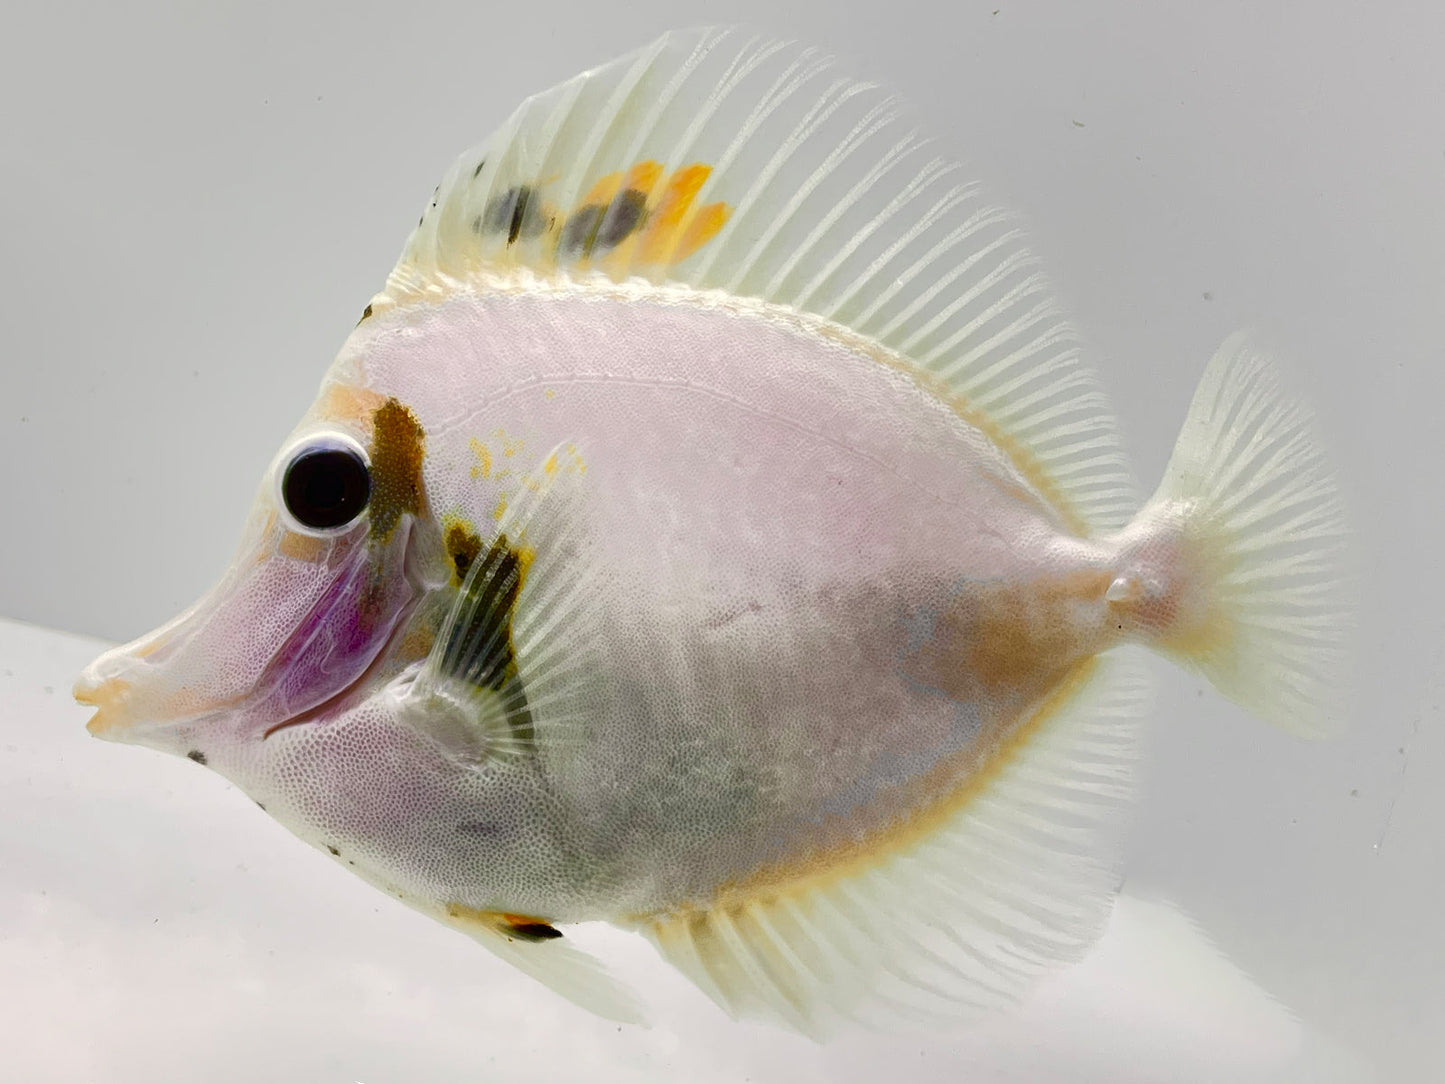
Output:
x=316 y=600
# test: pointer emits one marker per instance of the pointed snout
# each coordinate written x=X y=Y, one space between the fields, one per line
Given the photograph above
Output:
x=132 y=688
x=103 y=686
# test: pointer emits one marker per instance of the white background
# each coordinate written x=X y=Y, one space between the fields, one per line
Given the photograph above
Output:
x=197 y=201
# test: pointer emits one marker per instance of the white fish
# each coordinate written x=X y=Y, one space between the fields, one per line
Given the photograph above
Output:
x=711 y=529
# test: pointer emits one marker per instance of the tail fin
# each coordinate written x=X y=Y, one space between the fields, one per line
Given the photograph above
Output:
x=1259 y=531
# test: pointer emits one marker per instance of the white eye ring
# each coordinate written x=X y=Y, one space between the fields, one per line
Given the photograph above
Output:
x=323 y=484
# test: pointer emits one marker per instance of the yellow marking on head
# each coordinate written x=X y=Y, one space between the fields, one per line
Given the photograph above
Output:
x=483 y=466
x=347 y=403
x=549 y=465
x=300 y=547
x=501 y=509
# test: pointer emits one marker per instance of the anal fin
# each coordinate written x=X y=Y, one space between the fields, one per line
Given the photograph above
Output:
x=537 y=948
x=1017 y=878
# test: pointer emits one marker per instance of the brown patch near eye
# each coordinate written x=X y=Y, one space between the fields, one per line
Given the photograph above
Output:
x=398 y=448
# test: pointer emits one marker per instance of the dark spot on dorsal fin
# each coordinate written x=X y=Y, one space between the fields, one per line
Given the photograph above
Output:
x=624 y=215
x=335 y=851
x=196 y=755
x=365 y=313
x=478 y=171
x=516 y=212
x=597 y=228
x=398 y=447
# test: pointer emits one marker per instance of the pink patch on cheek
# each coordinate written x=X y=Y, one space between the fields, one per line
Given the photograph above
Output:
x=334 y=644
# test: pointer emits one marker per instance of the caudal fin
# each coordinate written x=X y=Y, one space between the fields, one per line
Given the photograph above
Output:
x=1259 y=535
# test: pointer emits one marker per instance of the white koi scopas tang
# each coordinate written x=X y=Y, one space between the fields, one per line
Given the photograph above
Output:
x=711 y=529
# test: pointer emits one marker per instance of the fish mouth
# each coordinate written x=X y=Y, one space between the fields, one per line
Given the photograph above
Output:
x=110 y=683
x=109 y=695
x=115 y=685
x=150 y=691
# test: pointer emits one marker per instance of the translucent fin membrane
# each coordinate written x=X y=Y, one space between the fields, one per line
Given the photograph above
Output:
x=508 y=673
x=1263 y=528
x=564 y=969
x=1019 y=877
x=752 y=167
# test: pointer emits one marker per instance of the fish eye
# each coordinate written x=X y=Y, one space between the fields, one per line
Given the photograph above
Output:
x=326 y=484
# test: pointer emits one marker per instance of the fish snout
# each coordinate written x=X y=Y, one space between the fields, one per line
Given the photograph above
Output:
x=136 y=693
x=111 y=684
x=108 y=692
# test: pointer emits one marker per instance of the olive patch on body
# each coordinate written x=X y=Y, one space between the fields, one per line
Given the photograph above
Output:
x=477 y=648
x=398 y=447
x=463 y=545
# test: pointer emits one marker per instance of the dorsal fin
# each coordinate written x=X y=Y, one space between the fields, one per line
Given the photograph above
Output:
x=715 y=161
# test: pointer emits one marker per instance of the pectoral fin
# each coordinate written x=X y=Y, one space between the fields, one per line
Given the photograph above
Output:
x=510 y=659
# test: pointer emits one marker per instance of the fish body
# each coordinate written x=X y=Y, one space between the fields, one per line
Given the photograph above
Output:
x=711 y=529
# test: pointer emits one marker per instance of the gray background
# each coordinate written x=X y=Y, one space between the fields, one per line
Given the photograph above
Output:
x=197 y=201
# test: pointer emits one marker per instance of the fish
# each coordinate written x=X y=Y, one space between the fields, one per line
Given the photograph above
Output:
x=713 y=528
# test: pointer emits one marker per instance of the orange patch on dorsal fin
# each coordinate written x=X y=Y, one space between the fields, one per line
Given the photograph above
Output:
x=666 y=237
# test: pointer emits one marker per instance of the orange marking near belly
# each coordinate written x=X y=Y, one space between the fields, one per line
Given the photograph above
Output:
x=1012 y=639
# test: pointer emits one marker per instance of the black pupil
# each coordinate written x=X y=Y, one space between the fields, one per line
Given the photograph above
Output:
x=326 y=487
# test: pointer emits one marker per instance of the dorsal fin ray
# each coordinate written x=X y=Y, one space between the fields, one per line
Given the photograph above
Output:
x=718 y=162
